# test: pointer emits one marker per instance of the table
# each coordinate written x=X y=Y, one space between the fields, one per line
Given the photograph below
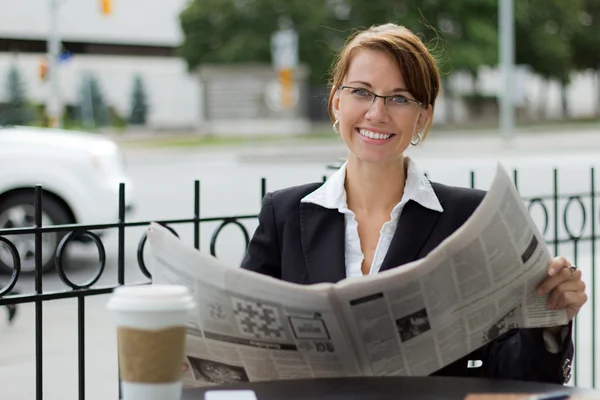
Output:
x=375 y=388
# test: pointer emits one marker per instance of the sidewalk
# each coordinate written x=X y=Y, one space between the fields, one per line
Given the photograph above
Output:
x=60 y=345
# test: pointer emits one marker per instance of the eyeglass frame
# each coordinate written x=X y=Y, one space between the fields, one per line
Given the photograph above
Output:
x=375 y=96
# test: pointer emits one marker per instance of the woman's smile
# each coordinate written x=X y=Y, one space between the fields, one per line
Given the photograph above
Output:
x=372 y=136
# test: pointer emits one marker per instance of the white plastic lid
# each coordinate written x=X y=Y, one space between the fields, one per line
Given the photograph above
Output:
x=153 y=297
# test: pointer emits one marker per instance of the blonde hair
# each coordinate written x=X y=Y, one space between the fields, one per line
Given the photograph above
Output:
x=417 y=65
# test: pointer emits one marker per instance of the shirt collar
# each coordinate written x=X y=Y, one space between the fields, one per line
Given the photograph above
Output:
x=332 y=193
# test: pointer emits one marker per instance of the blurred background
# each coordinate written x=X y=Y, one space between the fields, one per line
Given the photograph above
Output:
x=183 y=66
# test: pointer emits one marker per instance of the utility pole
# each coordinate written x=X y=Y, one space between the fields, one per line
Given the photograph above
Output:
x=506 y=25
x=53 y=103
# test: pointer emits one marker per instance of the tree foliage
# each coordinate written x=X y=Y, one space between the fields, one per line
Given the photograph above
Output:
x=545 y=30
x=586 y=40
x=16 y=110
x=586 y=43
x=139 y=102
x=461 y=34
x=552 y=36
x=92 y=108
x=239 y=31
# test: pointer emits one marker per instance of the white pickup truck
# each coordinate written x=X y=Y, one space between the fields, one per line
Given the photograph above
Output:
x=80 y=174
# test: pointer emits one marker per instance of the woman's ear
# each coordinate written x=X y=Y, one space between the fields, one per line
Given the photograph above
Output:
x=424 y=116
x=335 y=105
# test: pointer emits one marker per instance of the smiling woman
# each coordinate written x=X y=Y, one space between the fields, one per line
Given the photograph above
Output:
x=379 y=211
x=365 y=123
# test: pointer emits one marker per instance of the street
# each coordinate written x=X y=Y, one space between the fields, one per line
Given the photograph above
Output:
x=163 y=183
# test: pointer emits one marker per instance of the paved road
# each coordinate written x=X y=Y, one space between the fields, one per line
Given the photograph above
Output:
x=230 y=180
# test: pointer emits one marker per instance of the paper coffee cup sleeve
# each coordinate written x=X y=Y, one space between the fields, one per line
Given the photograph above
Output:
x=151 y=356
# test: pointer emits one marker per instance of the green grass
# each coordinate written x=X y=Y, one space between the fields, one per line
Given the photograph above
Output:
x=524 y=126
x=186 y=141
x=324 y=133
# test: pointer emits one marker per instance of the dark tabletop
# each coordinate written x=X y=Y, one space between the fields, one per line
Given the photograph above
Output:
x=413 y=388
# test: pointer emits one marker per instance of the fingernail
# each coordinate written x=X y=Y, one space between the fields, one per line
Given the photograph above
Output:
x=540 y=292
x=551 y=271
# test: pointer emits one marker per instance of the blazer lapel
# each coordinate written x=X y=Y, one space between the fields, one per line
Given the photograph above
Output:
x=322 y=233
x=414 y=228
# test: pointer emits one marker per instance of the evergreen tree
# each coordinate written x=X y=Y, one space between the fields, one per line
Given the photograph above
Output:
x=16 y=110
x=139 y=103
x=92 y=106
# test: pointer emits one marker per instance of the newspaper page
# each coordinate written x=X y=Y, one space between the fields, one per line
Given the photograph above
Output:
x=247 y=327
x=411 y=320
x=476 y=285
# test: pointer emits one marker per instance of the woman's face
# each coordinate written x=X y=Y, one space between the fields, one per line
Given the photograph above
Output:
x=373 y=131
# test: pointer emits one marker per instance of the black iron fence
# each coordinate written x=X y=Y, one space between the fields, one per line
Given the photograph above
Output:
x=554 y=222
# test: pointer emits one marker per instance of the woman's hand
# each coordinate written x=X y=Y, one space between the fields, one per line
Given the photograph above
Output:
x=567 y=290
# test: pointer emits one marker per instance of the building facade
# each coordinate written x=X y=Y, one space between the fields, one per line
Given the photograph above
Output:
x=137 y=37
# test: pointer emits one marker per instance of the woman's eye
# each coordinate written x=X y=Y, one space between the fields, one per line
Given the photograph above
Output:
x=360 y=92
x=399 y=99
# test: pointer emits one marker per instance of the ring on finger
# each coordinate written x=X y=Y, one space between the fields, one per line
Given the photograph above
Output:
x=573 y=268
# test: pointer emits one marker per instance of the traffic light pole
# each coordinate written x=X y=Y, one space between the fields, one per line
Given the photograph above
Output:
x=53 y=104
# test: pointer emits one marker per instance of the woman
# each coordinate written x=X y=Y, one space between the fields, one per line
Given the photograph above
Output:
x=378 y=211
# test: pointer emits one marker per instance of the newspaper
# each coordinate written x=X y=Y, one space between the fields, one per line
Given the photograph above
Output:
x=411 y=321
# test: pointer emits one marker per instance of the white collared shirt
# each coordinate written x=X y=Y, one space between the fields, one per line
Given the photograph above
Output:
x=332 y=195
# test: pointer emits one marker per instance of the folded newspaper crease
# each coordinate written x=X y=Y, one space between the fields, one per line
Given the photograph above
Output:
x=476 y=285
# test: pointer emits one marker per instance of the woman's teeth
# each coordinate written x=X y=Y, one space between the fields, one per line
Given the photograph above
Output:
x=373 y=135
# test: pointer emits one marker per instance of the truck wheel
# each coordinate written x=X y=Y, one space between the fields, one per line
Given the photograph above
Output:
x=17 y=211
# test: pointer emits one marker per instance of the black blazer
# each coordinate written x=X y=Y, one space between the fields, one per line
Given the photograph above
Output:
x=304 y=243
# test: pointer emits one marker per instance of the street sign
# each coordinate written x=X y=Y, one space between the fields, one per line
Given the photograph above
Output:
x=284 y=49
x=284 y=53
x=64 y=56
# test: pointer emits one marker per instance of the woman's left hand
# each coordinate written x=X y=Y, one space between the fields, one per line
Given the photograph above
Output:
x=567 y=290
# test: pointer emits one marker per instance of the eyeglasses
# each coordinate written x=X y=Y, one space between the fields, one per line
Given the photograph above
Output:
x=367 y=97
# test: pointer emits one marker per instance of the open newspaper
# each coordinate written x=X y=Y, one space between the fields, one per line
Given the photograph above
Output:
x=412 y=320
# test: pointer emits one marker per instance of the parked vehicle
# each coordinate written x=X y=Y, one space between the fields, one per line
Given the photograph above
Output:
x=80 y=174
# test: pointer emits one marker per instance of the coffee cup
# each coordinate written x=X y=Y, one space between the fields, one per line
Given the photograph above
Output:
x=151 y=333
